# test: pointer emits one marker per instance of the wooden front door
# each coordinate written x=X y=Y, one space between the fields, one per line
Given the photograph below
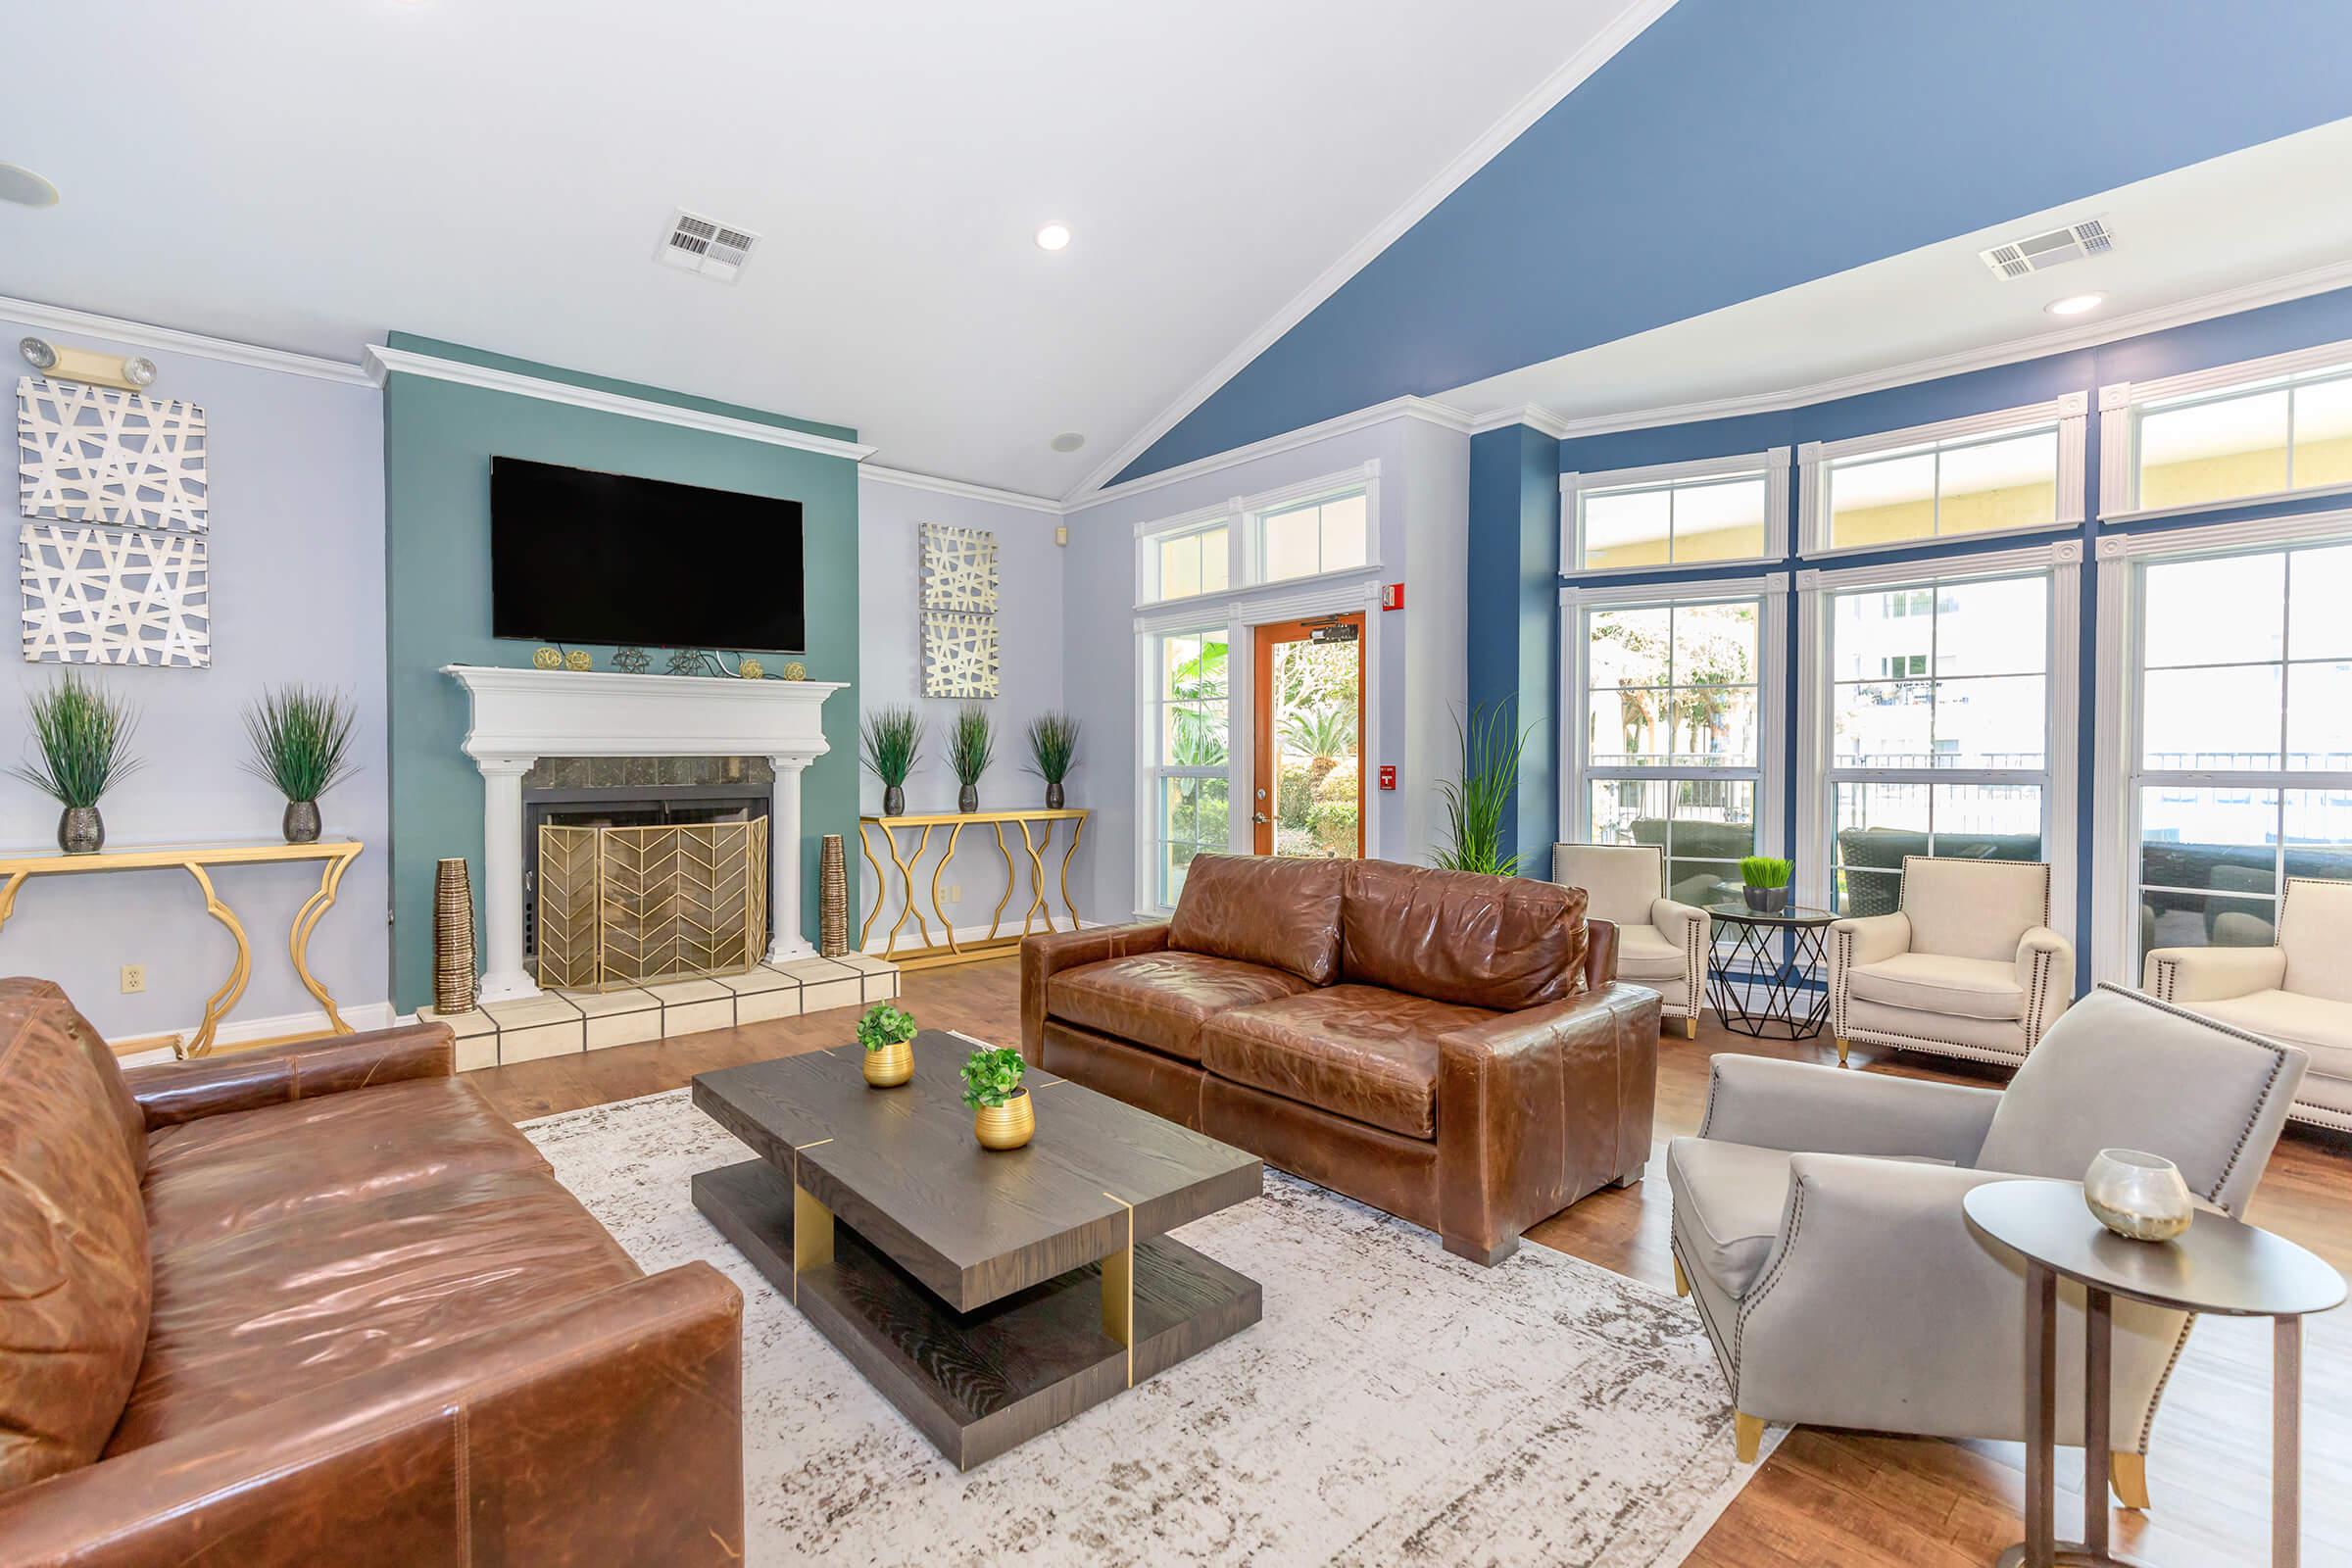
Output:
x=1306 y=795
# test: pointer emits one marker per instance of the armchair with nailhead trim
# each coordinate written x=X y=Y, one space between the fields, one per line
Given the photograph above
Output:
x=1661 y=943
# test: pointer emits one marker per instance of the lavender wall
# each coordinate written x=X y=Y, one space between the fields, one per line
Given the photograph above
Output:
x=297 y=549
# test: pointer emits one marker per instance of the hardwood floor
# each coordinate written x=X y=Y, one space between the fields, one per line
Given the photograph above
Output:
x=1826 y=1496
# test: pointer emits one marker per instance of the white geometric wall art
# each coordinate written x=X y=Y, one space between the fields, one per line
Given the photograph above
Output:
x=90 y=454
x=108 y=595
x=959 y=569
x=960 y=653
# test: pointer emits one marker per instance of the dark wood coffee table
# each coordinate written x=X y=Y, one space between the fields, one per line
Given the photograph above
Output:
x=990 y=1297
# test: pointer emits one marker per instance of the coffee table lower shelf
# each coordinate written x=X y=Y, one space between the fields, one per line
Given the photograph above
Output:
x=979 y=1383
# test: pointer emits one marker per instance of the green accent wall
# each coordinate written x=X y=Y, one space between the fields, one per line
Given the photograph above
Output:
x=439 y=437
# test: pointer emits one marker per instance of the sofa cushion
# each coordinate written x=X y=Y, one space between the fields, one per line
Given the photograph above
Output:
x=327 y=1291
x=1973 y=909
x=1931 y=982
x=2320 y=1026
x=1498 y=942
x=115 y=1090
x=1281 y=913
x=221 y=1174
x=1162 y=999
x=1358 y=1052
x=1728 y=1200
x=1645 y=953
x=74 y=1277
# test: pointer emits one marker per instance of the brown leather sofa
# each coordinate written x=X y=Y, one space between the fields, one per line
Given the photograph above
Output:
x=1452 y=1049
x=318 y=1303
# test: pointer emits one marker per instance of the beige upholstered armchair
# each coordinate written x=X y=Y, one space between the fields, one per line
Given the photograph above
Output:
x=1967 y=966
x=1818 y=1224
x=2298 y=989
x=1660 y=944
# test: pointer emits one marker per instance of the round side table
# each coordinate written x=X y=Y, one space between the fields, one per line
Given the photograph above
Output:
x=2219 y=1265
x=1753 y=987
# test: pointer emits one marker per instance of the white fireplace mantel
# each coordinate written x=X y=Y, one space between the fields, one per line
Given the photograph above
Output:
x=520 y=715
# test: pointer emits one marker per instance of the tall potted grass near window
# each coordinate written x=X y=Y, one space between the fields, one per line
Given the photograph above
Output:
x=302 y=743
x=972 y=747
x=1054 y=746
x=891 y=739
x=84 y=735
x=1479 y=802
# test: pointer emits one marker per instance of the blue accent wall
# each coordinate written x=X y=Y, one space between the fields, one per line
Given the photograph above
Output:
x=1737 y=148
x=1514 y=632
x=1498 y=596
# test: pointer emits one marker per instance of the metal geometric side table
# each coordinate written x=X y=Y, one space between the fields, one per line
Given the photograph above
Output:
x=2219 y=1265
x=1753 y=987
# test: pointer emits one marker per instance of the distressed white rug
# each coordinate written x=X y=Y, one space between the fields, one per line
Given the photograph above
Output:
x=1396 y=1405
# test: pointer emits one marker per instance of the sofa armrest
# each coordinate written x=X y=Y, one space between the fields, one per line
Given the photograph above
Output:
x=1600 y=954
x=607 y=1430
x=301 y=1069
x=1046 y=953
x=1857 y=940
x=1537 y=1108
x=1822 y=1110
x=2045 y=973
x=2212 y=974
x=1692 y=930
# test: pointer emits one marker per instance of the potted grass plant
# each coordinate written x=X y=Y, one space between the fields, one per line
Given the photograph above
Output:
x=1054 y=746
x=887 y=1031
x=83 y=734
x=1764 y=882
x=302 y=743
x=1002 y=1116
x=1479 y=802
x=892 y=740
x=972 y=747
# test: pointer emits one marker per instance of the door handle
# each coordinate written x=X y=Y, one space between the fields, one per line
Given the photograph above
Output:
x=1259 y=818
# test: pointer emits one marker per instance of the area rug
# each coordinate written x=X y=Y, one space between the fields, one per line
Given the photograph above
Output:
x=1396 y=1405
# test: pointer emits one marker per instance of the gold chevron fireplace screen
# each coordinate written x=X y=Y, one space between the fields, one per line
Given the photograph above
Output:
x=621 y=906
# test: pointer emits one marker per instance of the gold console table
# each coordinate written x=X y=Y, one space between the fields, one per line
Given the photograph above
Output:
x=992 y=946
x=198 y=860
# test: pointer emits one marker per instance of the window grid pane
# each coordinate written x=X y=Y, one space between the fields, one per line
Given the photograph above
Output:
x=1716 y=518
x=1190 y=749
x=1980 y=484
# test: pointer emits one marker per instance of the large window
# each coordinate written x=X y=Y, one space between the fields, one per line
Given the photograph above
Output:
x=1190 y=740
x=1671 y=738
x=1672 y=514
x=2009 y=471
x=1938 y=707
x=2243 y=739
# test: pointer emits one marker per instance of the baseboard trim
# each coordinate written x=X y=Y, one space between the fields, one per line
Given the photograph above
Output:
x=245 y=1031
x=876 y=948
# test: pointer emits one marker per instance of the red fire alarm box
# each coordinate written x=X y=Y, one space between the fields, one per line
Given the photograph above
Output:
x=1388 y=775
x=1391 y=596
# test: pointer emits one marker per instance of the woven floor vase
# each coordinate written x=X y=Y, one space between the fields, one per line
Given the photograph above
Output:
x=832 y=898
x=452 y=937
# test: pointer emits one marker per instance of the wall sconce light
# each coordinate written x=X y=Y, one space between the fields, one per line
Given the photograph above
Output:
x=133 y=375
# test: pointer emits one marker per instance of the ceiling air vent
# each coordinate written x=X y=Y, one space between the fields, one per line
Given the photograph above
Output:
x=704 y=245
x=2038 y=253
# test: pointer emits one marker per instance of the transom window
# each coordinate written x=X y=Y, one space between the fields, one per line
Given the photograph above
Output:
x=1315 y=528
x=1985 y=484
x=2281 y=434
x=1669 y=515
x=1187 y=564
x=1187 y=748
x=1939 y=704
x=1304 y=541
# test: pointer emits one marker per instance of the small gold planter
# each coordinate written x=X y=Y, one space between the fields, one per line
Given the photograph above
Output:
x=1005 y=1126
x=890 y=1066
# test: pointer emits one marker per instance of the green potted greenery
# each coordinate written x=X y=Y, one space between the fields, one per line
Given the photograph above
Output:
x=972 y=747
x=1002 y=1116
x=302 y=743
x=1766 y=878
x=83 y=732
x=887 y=1031
x=891 y=739
x=1477 y=804
x=1054 y=745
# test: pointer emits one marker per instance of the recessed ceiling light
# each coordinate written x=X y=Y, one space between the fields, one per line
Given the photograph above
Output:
x=1067 y=441
x=26 y=189
x=2076 y=304
x=1053 y=237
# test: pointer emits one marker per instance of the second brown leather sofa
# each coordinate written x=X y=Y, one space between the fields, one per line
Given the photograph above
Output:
x=1452 y=1049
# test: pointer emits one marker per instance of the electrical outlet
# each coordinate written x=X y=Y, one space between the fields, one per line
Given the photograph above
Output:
x=135 y=979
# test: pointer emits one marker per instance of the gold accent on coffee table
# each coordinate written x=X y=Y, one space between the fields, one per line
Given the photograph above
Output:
x=1119 y=1290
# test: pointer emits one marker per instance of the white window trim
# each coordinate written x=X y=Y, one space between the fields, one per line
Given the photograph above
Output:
x=2070 y=411
x=1772 y=463
x=1241 y=515
x=2115 y=808
x=2063 y=562
x=2121 y=403
x=1772 y=728
x=1240 y=614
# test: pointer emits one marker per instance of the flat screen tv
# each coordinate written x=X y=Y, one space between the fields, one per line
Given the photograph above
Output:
x=601 y=558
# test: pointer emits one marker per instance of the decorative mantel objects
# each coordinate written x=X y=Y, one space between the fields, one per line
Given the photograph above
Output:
x=1002 y=1117
x=1053 y=747
x=972 y=747
x=2138 y=1196
x=452 y=937
x=892 y=740
x=84 y=735
x=302 y=743
x=887 y=1031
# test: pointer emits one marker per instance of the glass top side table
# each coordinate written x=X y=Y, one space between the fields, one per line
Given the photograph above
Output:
x=1757 y=989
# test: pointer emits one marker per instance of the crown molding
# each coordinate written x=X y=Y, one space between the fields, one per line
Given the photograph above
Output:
x=141 y=334
x=1621 y=30
x=1541 y=421
x=384 y=363
x=1405 y=408
x=968 y=492
x=2203 y=308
